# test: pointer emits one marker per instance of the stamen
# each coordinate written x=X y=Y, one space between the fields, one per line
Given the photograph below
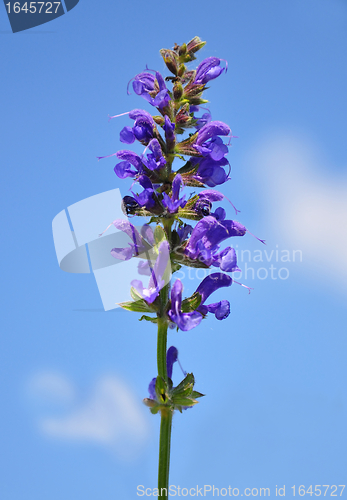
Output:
x=106 y=229
x=226 y=64
x=102 y=157
x=232 y=137
x=143 y=154
x=236 y=211
x=262 y=241
x=116 y=116
x=147 y=69
x=241 y=284
x=129 y=84
x=183 y=371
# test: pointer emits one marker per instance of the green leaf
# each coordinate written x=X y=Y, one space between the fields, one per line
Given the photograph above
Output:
x=148 y=318
x=159 y=235
x=185 y=387
x=192 y=303
x=138 y=306
x=184 y=402
x=196 y=394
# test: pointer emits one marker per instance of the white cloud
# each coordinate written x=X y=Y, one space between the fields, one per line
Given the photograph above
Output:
x=111 y=417
x=306 y=202
x=51 y=387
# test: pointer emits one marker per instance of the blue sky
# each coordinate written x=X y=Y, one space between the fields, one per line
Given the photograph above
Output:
x=73 y=376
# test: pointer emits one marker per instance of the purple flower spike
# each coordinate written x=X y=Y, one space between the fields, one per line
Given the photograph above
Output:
x=184 y=231
x=145 y=199
x=127 y=135
x=211 y=195
x=142 y=130
x=144 y=268
x=155 y=160
x=204 y=242
x=184 y=321
x=131 y=157
x=214 y=148
x=169 y=130
x=227 y=260
x=219 y=214
x=162 y=98
x=172 y=204
x=141 y=114
x=123 y=170
x=143 y=84
x=171 y=358
x=206 y=234
x=147 y=233
x=151 y=388
x=156 y=281
x=212 y=129
x=220 y=309
x=207 y=70
x=210 y=172
x=209 y=285
x=135 y=248
x=203 y=120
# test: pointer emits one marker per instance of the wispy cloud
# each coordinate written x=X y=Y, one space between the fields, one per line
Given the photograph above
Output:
x=306 y=201
x=51 y=387
x=110 y=417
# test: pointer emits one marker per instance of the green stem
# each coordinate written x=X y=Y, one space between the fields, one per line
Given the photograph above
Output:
x=166 y=413
x=164 y=453
x=162 y=346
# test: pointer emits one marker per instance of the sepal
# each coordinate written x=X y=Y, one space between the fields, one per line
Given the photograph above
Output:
x=191 y=303
x=173 y=398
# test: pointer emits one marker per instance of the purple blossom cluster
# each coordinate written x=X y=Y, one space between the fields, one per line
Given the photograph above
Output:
x=158 y=191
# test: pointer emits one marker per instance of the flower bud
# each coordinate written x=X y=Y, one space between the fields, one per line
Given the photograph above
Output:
x=182 y=49
x=181 y=70
x=159 y=120
x=170 y=59
x=195 y=44
x=178 y=91
x=196 y=101
x=193 y=90
x=183 y=115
